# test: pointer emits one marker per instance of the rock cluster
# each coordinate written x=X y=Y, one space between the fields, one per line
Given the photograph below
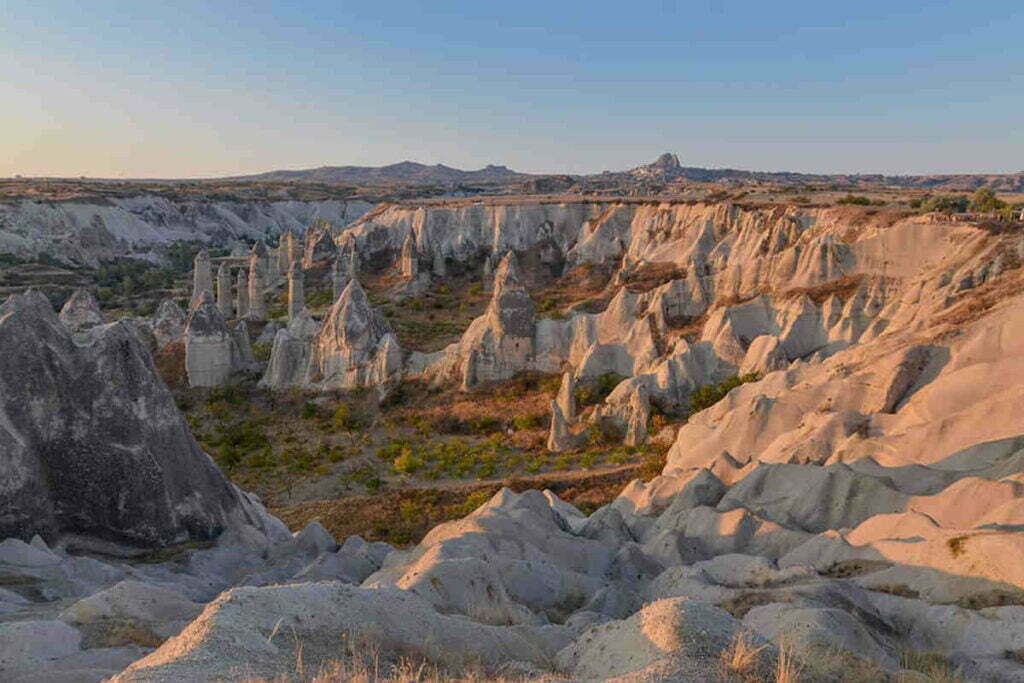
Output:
x=353 y=347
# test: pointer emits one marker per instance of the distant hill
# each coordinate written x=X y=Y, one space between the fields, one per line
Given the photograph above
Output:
x=403 y=173
x=666 y=168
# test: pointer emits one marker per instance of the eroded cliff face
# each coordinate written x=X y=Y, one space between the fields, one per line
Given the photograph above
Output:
x=84 y=233
x=807 y=243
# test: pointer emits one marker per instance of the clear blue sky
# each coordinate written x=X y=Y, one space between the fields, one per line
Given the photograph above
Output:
x=192 y=88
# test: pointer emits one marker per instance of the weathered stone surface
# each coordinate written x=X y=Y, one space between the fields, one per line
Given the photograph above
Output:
x=503 y=337
x=410 y=260
x=296 y=292
x=225 y=303
x=235 y=629
x=355 y=347
x=559 y=437
x=210 y=349
x=242 y=294
x=289 y=357
x=92 y=442
x=320 y=246
x=257 y=287
x=202 y=275
x=81 y=311
x=168 y=323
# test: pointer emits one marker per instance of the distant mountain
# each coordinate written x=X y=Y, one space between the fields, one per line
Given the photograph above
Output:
x=665 y=169
x=403 y=173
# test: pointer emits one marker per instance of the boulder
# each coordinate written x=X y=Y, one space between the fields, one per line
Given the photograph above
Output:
x=110 y=456
x=679 y=635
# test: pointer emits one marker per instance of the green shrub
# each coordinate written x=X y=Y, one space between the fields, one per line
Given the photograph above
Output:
x=347 y=418
x=595 y=391
x=855 y=200
x=710 y=394
x=985 y=200
x=310 y=411
x=530 y=421
x=603 y=433
x=262 y=351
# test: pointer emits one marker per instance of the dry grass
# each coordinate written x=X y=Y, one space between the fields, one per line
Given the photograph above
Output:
x=405 y=670
x=742 y=659
x=788 y=666
x=937 y=666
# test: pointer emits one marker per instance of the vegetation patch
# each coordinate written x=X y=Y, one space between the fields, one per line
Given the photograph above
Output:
x=710 y=394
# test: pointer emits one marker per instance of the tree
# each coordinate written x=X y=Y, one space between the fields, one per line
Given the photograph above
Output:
x=985 y=200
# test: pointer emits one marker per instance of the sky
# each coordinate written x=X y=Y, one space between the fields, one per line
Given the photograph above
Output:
x=205 y=89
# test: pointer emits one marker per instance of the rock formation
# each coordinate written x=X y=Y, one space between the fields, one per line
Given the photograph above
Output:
x=858 y=499
x=567 y=396
x=81 y=311
x=84 y=231
x=339 y=277
x=296 y=295
x=257 y=289
x=109 y=458
x=210 y=351
x=289 y=356
x=202 y=275
x=409 y=259
x=168 y=323
x=559 y=436
x=502 y=338
x=225 y=302
x=242 y=294
x=320 y=246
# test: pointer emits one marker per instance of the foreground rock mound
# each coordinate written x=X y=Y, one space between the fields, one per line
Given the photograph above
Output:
x=91 y=442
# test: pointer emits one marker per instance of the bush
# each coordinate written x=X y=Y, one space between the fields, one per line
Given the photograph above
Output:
x=985 y=201
x=855 y=200
x=348 y=419
x=530 y=421
x=946 y=204
x=710 y=394
x=596 y=391
x=603 y=432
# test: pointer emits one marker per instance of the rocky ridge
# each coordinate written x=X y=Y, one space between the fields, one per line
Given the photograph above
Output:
x=84 y=232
